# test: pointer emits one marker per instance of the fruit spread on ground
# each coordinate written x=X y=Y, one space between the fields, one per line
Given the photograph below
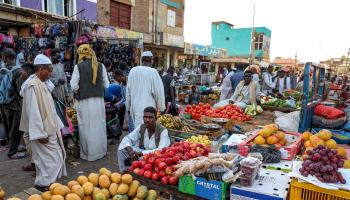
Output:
x=98 y=186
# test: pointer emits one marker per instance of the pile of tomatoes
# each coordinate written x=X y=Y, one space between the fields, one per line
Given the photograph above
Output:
x=229 y=111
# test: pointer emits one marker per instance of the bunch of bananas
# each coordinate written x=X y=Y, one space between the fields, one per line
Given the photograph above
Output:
x=170 y=122
x=200 y=139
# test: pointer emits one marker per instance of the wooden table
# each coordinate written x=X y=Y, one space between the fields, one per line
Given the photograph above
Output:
x=165 y=191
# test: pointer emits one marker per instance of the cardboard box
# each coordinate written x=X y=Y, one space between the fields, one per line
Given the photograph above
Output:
x=270 y=185
x=288 y=152
x=213 y=190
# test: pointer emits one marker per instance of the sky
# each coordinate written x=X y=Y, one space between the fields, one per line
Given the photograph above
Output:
x=314 y=29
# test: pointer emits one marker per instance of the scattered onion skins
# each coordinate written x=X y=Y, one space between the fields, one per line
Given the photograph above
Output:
x=323 y=163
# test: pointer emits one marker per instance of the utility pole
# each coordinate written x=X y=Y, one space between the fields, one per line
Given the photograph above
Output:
x=295 y=61
x=252 y=40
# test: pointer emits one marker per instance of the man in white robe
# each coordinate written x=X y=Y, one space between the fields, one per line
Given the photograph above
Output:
x=145 y=88
x=40 y=120
x=146 y=138
x=89 y=104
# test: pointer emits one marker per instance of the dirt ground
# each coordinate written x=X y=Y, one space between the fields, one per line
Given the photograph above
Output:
x=13 y=179
x=266 y=117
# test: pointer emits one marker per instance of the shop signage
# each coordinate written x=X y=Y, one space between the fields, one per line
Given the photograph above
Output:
x=195 y=49
x=173 y=40
x=112 y=32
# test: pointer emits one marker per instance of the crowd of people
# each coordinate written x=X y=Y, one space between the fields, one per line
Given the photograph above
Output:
x=30 y=93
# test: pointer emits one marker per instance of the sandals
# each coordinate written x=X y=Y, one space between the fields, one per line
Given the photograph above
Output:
x=21 y=148
x=18 y=155
x=29 y=167
x=41 y=188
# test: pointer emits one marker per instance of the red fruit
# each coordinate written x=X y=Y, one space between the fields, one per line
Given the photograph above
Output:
x=200 y=145
x=161 y=174
x=148 y=167
x=193 y=154
x=151 y=160
x=188 y=155
x=180 y=149
x=136 y=171
x=164 y=150
x=156 y=169
x=171 y=154
x=162 y=159
x=164 y=180
x=131 y=168
x=176 y=159
x=147 y=174
x=158 y=152
x=155 y=177
x=198 y=154
x=141 y=172
x=168 y=170
x=136 y=164
x=156 y=163
x=143 y=163
x=169 y=161
x=173 y=180
x=185 y=158
x=162 y=166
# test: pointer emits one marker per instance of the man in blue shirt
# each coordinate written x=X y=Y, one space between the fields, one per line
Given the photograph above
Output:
x=237 y=77
x=115 y=93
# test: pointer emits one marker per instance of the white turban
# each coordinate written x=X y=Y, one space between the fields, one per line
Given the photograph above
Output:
x=41 y=59
x=147 y=54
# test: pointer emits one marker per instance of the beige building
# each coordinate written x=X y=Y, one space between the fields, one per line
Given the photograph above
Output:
x=337 y=66
x=162 y=25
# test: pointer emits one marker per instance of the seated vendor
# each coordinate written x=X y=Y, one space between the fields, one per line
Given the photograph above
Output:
x=247 y=91
x=145 y=139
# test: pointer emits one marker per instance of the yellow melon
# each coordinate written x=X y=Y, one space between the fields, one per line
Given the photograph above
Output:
x=93 y=178
x=113 y=188
x=316 y=141
x=116 y=177
x=35 y=197
x=88 y=188
x=341 y=151
x=331 y=144
x=96 y=191
x=306 y=135
x=265 y=132
x=57 y=197
x=307 y=144
x=72 y=196
x=71 y=183
x=325 y=134
x=105 y=171
x=46 y=195
x=106 y=192
x=61 y=190
x=346 y=164
x=133 y=188
x=77 y=189
x=280 y=135
x=259 y=140
x=283 y=142
x=87 y=197
x=273 y=127
x=123 y=188
x=100 y=196
x=82 y=179
x=272 y=140
x=104 y=181
x=127 y=179
x=53 y=185
x=2 y=193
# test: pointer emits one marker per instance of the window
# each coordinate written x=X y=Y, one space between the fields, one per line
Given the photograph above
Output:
x=217 y=27
x=227 y=38
x=259 y=41
x=171 y=18
x=120 y=15
x=12 y=2
x=54 y=7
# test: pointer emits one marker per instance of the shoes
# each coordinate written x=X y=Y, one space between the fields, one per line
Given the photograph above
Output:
x=18 y=155
x=41 y=188
x=29 y=167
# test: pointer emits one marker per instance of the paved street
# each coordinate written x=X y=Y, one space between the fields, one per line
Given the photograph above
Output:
x=13 y=179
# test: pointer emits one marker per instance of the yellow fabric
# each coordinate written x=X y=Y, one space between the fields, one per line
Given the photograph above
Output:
x=85 y=51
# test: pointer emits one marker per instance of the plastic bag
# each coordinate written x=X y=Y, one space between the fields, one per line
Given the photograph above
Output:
x=269 y=154
x=172 y=109
x=322 y=122
x=289 y=122
x=328 y=112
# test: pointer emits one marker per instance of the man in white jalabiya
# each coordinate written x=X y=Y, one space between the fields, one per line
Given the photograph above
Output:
x=89 y=81
x=144 y=89
x=40 y=120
